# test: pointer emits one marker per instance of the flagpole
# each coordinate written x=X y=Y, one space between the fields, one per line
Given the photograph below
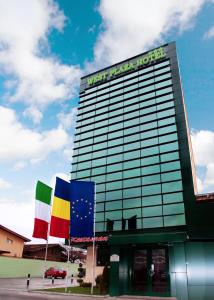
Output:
x=46 y=252
x=48 y=232
x=69 y=245
x=93 y=248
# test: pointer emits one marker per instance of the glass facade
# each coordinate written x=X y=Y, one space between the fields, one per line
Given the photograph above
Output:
x=127 y=141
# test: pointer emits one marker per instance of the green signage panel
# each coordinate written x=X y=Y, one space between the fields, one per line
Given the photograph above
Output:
x=139 y=62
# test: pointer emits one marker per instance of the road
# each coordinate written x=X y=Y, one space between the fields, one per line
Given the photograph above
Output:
x=19 y=295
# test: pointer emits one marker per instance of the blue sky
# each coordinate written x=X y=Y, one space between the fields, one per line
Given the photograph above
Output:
x=46 y=46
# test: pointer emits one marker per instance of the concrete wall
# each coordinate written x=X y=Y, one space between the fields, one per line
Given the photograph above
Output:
x=12 y=243
x=20 y=267
x=89 y=265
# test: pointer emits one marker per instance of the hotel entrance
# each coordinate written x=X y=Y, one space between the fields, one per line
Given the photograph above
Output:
x=149 y=272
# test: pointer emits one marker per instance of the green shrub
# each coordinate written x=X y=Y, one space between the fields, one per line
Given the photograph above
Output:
x=98 y=280
x=85 y=284
x=104 y=281
x=81 y=274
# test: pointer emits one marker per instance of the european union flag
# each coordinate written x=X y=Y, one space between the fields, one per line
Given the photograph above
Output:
x=82 y=208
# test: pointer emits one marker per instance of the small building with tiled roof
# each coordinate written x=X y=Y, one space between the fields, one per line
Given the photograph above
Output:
x=55 y=252
x=11 y=242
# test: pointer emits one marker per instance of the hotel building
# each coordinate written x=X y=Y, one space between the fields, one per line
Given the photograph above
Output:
x=132 y=139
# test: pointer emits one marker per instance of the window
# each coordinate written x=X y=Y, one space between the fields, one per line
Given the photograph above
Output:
x=168 y=147
x=100 y=188
x=132 y=192
x=129 y=213
x=170 y=166
x=99 y=207
x=99 y=162
x=152 y=222
x=114 y=158
x=114 y=176
x=147 y=96
x=114 y=215
x=172 y=198
x=130 y=203
x=114 y=168
x=174 y=220
x=9 y=241
x=131 y=146
x=172 y=186
x=131 y=173
x=157 y=72
x=115 y=150
x=150 y=160
x=131 y=164
x=131 y=182
x=161 y=77
x=99 y=226
x=152 y=211
x=150 y=170
x=114 y=195
x=165 y=105
x=99 y=216
x=167 y=129
x=151 y=200
x=100 y=170
x=147 y=103
x=165 y=63
x=162 y=84
x=100 y=197
x=173 y=209
x=171 y=176
x=114 y=185
x=115 y=142
x=149 y=151
x=151 y=189
x=131 y=154
x=168 y=138
x=151 y=179
x=113 y=205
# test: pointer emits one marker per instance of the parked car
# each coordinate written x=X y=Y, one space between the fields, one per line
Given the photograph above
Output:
x=55 y=272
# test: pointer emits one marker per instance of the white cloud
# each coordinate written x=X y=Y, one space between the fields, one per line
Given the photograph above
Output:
x=67 y=120
x=19 y=218
x=203 y=148
x=34 y=114
x=35 y=75
x=68 y=152
x=19 y=165
x=4 y=184
x=209 y=34
x=20 y=144
x=132 y=26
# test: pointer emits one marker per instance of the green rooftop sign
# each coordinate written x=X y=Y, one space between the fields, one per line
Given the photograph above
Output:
x=133 y=65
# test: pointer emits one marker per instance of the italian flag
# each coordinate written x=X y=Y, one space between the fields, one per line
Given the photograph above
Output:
x=42 y=210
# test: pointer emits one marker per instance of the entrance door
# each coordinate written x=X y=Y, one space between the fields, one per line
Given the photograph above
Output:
x=150 y=271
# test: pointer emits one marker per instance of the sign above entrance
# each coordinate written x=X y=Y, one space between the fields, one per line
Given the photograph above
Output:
x=135 y=64
x=89 y=240
x=114 y=258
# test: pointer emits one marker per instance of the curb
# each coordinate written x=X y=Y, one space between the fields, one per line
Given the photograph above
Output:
x=67 y=294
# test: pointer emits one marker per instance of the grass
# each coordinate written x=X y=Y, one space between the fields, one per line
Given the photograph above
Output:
x=75 y=290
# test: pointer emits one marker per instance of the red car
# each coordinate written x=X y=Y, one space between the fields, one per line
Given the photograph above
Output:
x=55 y=272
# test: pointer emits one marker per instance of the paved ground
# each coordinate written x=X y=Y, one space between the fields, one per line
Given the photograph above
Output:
x=19 y=295
x=35 y=283
x=16 y=289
